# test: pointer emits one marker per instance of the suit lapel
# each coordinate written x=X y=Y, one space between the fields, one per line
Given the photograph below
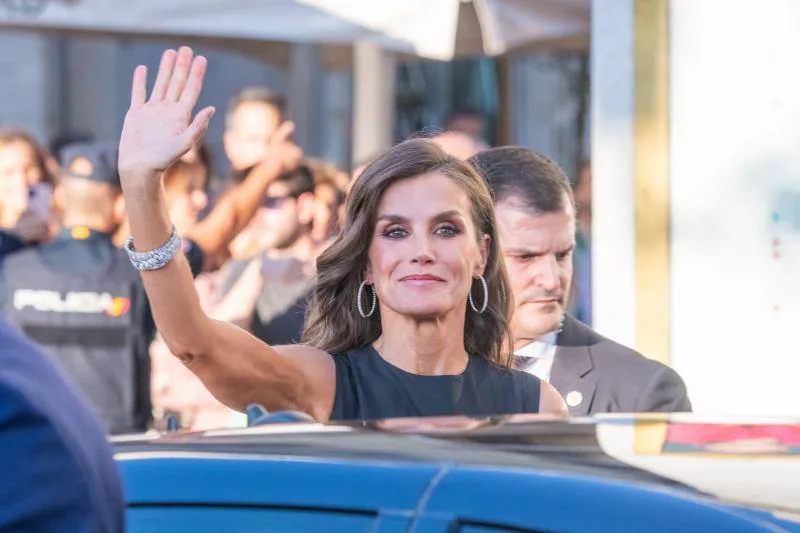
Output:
x=572 y=362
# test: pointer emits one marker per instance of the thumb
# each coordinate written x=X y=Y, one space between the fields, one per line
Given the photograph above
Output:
x=199 y=125
x=283 y=132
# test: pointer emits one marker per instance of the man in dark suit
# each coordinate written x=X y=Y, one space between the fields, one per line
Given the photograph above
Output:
x=535 y=212
x=58 y=474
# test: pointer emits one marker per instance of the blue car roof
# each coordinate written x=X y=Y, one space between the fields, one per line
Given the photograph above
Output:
x=424 y=466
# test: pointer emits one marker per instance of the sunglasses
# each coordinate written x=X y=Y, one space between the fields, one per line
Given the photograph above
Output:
x=275 y=202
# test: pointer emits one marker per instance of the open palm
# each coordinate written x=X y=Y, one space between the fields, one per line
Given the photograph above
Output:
x=159 y=130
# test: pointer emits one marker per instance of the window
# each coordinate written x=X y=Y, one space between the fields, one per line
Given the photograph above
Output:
x=201 y=519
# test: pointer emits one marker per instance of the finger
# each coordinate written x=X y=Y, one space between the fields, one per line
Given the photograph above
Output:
x=139 y=89
x=198 y=126
x=180 y=74
x=195 y=82
x=283 y=132
x=164 y=75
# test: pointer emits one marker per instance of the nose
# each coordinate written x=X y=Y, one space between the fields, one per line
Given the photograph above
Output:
x=424 y=251
x=547 y=273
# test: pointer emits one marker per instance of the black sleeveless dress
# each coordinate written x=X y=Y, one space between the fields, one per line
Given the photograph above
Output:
x=368 y=387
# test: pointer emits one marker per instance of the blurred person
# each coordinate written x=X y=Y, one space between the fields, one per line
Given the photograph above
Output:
x=185 y=186
x=396 y=325
x=468 y=121
x=58 y=144
x=79 y=297
x=268 y=294
x=329 y=186
x=26 y=207
x=58 y=474
x=253 y=116
x=459 y=144
x=535 y=212
x=175 y=390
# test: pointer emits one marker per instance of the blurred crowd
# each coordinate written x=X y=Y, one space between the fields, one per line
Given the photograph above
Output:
x=252 y=239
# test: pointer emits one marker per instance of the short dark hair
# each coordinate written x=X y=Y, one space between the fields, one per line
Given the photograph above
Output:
x=515 y=172
x=255 y=95
x=299 y=181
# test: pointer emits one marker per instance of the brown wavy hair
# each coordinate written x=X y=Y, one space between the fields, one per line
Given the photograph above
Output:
x=333 y=323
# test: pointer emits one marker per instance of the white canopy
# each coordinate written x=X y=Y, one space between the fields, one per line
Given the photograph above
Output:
x=437 y=29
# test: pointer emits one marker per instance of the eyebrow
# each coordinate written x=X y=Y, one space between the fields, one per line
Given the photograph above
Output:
x=446 y=215
x=531 y=251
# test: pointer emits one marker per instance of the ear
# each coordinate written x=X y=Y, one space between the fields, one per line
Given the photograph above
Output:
x=120 y=210
x=306 y=204
x=485 y=241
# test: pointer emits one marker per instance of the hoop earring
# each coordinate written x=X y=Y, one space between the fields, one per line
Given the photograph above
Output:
x=485 y=297
x=358 y=301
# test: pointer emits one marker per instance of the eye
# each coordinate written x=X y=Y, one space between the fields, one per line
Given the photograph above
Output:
x=564 y=255
x=447 y=230
x=395 y=232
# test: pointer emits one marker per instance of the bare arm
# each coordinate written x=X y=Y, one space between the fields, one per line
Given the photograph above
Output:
x=238 y=207
x=236 y=367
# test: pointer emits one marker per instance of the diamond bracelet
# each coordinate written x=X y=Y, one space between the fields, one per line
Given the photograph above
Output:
x=154 y=259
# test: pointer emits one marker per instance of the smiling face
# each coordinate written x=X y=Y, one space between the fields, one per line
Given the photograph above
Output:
x=425 y=251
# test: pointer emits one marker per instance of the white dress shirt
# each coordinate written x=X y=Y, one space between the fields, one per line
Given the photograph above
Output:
x=537 y=357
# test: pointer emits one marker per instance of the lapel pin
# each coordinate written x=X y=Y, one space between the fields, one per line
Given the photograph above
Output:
x=574 y=398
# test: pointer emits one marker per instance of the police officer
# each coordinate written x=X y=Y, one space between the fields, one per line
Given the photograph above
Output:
x=80 y=298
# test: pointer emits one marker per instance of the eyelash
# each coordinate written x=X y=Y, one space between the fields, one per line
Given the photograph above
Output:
x=560 y=257
x=391 y=233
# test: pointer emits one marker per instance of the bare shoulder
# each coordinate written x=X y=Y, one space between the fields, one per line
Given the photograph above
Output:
x=302 y=352
x=313 y=361
x=551 y=402
x=319 y=368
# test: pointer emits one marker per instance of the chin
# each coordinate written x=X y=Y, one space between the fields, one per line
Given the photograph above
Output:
x=538 y=323
x=423 y=310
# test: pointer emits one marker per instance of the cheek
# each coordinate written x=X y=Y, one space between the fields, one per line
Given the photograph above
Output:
x=516 y=273
x=565 y=273
x=379 y=256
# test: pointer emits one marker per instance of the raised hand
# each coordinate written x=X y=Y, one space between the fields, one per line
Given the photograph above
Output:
x=282 y=149
x=159 y=130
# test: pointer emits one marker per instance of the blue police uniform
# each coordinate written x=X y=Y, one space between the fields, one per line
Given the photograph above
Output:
x=80 y=298
x=58 y=475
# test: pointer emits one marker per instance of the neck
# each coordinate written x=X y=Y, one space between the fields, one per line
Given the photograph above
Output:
x=431 y=347
x=520 y=342
x=303 y=249
x=96 y=223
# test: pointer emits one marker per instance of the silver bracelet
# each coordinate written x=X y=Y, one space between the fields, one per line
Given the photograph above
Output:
x=154 y=259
